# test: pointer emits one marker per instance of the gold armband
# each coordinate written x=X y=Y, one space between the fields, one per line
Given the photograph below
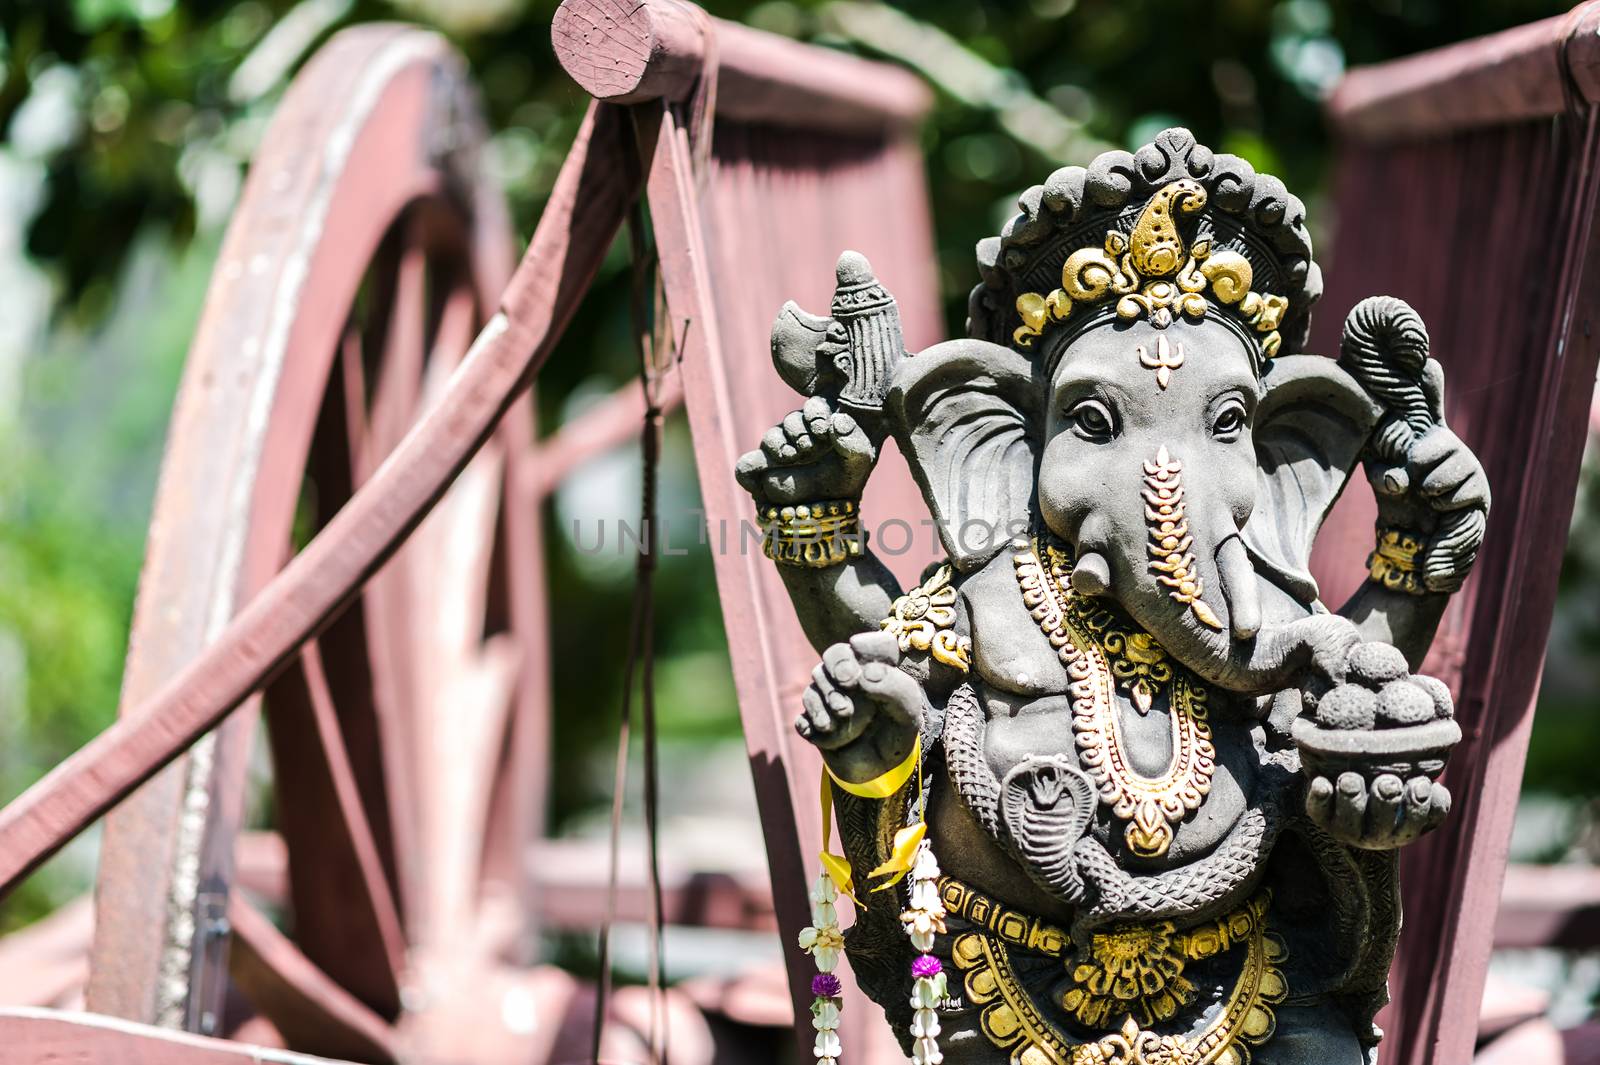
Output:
x=1393 y=562
x=812 y=534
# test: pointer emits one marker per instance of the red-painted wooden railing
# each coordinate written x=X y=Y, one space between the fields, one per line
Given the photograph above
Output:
x=1467 y=186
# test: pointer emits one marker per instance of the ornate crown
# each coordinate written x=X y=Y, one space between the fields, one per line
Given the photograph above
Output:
x=1173 y=229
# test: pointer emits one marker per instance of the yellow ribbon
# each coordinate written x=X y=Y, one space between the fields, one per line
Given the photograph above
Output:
x=904 y=851
x=881 y=787
x=901 y=855
x=835 y=865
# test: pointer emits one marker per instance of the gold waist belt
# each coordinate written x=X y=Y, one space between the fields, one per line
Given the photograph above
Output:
x=1012 y=926
x=1130 y=974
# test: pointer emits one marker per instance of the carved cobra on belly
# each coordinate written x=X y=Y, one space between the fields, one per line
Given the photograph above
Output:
x=1042 y=837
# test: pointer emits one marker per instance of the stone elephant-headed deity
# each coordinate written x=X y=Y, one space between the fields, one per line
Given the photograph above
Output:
x=1134 y=789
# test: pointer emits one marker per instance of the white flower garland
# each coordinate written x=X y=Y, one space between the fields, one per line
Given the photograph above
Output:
x=911 y=856
x=824 y=942
x=923 y=918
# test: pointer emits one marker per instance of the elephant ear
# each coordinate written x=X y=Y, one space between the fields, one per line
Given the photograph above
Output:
x=1310 y=429
x=964 y=415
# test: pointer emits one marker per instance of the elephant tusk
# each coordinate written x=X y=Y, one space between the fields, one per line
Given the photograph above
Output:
x=1092 y=574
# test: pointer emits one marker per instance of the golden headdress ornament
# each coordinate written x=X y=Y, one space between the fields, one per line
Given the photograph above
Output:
x=1172 y=230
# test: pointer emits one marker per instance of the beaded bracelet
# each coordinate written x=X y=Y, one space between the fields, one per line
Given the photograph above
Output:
x=812 y=534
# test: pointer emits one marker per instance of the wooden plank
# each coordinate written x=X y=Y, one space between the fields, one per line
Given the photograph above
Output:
x=572 y=875
x=675 y=215
x=658 y=49
x=262 y=867
x=584 y=213
x=1521 y=364
x=769 y=654
x=1504 y=657
x=48 y=1037
x=1529 y=72
x=344 y=914
x=305 y=1005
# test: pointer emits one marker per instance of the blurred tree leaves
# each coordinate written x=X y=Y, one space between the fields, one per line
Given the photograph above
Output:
x=158 y=81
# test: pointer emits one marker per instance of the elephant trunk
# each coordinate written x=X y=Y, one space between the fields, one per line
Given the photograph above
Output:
x=1199 y=597
x=1242 y=654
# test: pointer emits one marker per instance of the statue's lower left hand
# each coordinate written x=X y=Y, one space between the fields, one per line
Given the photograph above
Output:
x=858 y=685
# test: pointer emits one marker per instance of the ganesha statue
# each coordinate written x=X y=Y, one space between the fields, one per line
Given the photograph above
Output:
x=1134 y=790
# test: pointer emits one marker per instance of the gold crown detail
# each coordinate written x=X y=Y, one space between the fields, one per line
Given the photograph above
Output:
x=1151 y=273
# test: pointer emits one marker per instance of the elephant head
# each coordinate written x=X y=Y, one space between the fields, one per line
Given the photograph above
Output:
x=1189 y=484
x=1133 y=384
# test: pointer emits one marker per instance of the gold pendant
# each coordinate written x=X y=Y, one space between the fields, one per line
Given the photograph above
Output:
x=1150 y=805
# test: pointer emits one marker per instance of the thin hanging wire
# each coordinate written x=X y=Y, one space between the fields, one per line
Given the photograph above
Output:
x=655 y=351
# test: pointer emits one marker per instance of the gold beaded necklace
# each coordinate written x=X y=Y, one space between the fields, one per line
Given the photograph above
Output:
x=1150 y=805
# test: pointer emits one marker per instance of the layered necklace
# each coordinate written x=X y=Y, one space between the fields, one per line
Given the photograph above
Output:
x=1100 y=654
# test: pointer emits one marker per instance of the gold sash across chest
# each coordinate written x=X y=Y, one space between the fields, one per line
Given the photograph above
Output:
x=1097 y=654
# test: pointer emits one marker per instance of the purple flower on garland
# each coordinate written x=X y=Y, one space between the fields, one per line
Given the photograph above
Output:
x=826 y=985
x=926 y=965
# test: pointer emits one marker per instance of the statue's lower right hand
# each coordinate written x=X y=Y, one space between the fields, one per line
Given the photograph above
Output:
x=816 y=453
x=858 y=685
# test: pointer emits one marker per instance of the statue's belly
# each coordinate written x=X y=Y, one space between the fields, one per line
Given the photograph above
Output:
x=1019 y=729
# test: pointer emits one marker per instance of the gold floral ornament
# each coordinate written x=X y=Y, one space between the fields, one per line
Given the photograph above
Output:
x=1012 y=1022
x=1135 y=970
x=1140 y=665
x=924 y=620
x=1170 y=558
x=1151 y=273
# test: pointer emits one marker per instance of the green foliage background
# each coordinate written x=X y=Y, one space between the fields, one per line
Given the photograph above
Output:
x=115 y=213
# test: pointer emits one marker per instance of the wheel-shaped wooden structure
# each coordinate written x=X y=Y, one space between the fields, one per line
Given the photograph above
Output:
x=404 y=717
x=406 y=741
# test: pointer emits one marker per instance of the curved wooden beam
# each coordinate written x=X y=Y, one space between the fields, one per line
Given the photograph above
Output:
x=1544 y=68
x=591 y=198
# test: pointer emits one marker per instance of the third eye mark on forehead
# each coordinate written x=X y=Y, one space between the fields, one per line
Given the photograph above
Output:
x=1163 y=360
